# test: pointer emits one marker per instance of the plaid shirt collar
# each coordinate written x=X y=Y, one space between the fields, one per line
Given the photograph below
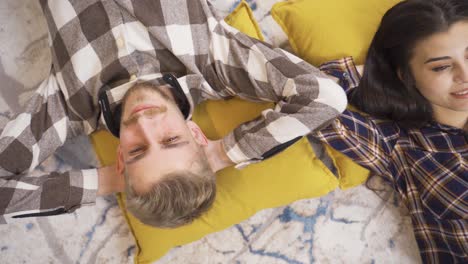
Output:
x=446 y=128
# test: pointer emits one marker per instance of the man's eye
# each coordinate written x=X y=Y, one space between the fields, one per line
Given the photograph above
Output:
x=136 y=150
x=171 y=140
x=439 y=69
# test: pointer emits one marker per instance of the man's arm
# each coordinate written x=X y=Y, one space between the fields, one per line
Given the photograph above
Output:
x=305 y=98
x=26 y=141
x=55 y=114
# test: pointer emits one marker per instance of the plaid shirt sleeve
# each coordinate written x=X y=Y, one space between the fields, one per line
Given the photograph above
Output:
x=25 y=142
x=360 y=138
x=305 y=98
x=345 y=71
x=355 y=134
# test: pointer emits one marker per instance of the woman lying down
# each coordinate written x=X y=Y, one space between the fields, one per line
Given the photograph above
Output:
x=414 y=91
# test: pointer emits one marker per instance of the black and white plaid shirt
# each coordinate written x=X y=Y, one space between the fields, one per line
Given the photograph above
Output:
x=117 y=42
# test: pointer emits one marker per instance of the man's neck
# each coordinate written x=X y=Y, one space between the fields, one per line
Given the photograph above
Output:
x=216 y=155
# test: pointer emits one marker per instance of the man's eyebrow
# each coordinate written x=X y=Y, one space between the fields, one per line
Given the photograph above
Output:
x=137 y=158
x=170 y=146
x=437 y=59
x=175 y=145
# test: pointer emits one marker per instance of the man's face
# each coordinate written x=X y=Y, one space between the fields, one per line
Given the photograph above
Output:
x=155 y=139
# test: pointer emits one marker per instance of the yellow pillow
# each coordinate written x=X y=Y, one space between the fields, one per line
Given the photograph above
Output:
x=243 y=20
x=320 y=31
x=350 y=174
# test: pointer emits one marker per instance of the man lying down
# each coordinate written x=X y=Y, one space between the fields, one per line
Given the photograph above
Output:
x=138 y=68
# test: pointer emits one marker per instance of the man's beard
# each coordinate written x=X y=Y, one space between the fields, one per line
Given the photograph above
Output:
x=145 y=87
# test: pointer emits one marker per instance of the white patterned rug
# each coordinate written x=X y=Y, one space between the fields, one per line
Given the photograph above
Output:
x=354 y=226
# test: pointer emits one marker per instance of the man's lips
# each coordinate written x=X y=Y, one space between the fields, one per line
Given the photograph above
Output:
x=142 y=107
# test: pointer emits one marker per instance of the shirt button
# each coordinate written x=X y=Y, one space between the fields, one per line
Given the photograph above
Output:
x=133 y=77
x=120 y=43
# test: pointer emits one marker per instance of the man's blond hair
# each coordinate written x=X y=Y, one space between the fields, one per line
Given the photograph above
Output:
x=177 y=199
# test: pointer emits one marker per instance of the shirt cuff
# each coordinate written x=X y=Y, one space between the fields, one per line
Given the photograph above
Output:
x=83 y=189
x=232 y=149
x=345 y=70
x=235 y=154
x=90 y=186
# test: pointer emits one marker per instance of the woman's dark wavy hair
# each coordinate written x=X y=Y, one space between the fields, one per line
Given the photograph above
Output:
x=381 y=92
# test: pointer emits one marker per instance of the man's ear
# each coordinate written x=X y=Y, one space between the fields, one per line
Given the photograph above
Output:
x=120 y=164
x=197 y=133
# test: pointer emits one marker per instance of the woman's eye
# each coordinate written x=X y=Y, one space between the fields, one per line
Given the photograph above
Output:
x=439 y=69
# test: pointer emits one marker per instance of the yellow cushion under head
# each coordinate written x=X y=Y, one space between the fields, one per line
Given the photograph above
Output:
x=324 y=30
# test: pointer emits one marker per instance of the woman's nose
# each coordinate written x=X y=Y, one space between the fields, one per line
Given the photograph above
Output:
x=462 y=75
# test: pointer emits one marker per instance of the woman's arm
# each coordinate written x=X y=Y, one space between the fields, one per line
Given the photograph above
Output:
x=364 y=139
x=367 y=141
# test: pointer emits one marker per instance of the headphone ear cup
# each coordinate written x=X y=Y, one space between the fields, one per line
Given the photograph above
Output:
x=112 y=119
x=116 y=118
x=179 y=95
x=181 y=101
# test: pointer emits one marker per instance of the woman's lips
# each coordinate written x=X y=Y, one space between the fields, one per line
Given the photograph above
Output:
x=463 y=94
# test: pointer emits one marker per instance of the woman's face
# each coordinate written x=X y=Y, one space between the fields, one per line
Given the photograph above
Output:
x=440 y=68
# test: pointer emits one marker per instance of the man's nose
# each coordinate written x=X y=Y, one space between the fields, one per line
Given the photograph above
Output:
x=147 y=126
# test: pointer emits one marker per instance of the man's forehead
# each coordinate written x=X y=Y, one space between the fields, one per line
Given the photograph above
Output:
x=154 y=167
x=165 y=155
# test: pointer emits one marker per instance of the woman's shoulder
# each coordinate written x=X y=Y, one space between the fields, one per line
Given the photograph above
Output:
x=439 y=138
x=361 y=121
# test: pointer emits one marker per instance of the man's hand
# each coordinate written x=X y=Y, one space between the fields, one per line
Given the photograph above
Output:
x=110 y=181
x=217 y=157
